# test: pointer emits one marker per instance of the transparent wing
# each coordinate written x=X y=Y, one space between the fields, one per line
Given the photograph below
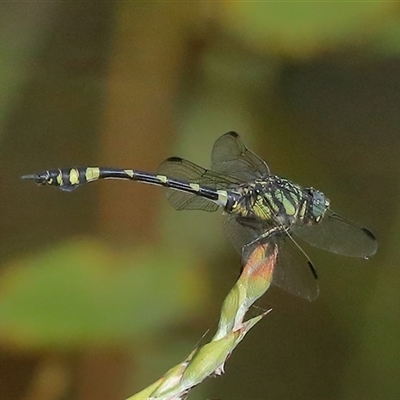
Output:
x=231 y=157
x=338 y=235
x=232 y=164
x=180 y=168
x=294 y=271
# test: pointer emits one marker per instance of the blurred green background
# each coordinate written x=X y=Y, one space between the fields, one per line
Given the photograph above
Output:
x=105 y=288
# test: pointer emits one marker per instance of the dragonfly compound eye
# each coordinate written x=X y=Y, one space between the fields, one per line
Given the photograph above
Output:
x=319 y=204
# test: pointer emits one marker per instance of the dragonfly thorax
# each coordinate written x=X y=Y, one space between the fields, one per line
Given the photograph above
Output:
x=272 y=200
x=278 y=201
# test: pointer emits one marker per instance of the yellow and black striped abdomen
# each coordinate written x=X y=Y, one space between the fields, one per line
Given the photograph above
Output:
x=70 y=178
x=66 y=178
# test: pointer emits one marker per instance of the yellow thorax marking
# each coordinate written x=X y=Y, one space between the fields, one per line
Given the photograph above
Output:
x=302 y=211
x=289 y=207
x=271 y=202
x=261 y=210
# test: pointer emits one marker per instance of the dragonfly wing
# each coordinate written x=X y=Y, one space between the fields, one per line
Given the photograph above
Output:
x=338 y=235
x=179 y=168
x=231 y=157
x=293 y=272
x=186 y=201
x=240 y=234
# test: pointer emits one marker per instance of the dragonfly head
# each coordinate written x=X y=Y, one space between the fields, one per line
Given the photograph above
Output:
x=318 y=204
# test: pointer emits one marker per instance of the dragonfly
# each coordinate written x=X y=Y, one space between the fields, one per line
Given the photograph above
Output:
x=259 y=208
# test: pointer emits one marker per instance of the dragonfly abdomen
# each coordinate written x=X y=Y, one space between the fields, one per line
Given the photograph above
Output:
x=70 y=178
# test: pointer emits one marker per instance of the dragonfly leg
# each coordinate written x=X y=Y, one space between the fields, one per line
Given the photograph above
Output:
x=266 y=235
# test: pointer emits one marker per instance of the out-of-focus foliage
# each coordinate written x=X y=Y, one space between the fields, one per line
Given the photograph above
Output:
x=299 y=29
x=130 y=83
x=16 y=51
x=83 y=293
